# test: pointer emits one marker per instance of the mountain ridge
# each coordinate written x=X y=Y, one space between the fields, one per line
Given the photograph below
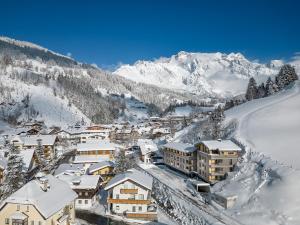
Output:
x=200 y=73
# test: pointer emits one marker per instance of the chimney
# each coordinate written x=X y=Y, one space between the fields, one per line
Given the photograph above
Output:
x=44 y=183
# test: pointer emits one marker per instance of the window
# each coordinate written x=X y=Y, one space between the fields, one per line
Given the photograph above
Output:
x=80 y=193
x=117 y=207
x=79 y=201
x=140 y=208
x=141 y=196
x=6 y=221
x=131 y=196
x=117 y=196
x=86 y=202
x=133 y=208
x=86 y=194
x=18 y=207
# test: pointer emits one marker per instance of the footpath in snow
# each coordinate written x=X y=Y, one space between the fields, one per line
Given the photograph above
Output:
x=271 y=125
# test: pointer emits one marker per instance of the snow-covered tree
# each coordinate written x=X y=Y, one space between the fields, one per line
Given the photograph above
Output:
x=14 y=173
x=123 y=163
x=286 y=75
x=251 y=90
x=271 y=87
x=216 y=118
x=40 y=153
x=261 y=91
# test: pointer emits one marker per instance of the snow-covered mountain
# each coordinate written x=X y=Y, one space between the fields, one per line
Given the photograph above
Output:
x=201 y=73
x=62 y=90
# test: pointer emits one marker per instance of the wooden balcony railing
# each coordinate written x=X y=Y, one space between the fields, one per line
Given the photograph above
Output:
x=146 y=216
x=129 y=191
x=128 y=201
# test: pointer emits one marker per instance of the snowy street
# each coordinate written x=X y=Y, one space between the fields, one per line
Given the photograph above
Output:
x=176 y=182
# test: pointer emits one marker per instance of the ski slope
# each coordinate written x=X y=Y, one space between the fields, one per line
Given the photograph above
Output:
x=271 y=125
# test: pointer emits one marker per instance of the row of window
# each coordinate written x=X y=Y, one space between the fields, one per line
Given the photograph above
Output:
x=25 y=222
x=133 y=196
x=134 y=208
x=85 y=202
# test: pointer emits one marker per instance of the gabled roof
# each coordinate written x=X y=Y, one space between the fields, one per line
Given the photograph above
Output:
x=222 y=145
x=133 y=175
x=31 y=140
x=81 y=182
x=69 y=168
x=57 y=196
x=182 y=147
x=100 y=165
x=96 y=145
x=27 y=156
x=90 y=159
x=147 y=146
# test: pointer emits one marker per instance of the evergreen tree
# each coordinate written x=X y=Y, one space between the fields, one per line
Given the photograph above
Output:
x=286 y=75
x=122 y=163
x=251 y=90
x=271 y=87
x=14 y=174
x=261 y=91
x=216 y=118
x=40 y=153
x=229 y=104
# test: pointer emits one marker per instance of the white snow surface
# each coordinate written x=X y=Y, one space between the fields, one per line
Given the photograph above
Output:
x=267 y=181
x=271 y=125
x=201 y=73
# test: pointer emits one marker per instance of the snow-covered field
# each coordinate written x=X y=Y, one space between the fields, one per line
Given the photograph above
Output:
x=271 y=125
x=266 y=185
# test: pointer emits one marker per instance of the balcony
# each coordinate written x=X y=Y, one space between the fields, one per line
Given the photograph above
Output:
x=142 y=216
x=128 y=201
x=129 y=191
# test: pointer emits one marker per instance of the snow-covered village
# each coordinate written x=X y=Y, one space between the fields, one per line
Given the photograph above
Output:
x=144 y=135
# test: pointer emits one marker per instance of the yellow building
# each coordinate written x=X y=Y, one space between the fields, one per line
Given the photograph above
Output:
x=216 y=158
x=44 y=201
x=105 y=169
x=48 y=142
x=99 y=149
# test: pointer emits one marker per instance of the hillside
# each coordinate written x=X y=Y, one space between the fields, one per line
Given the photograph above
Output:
x=62 y=90
x=266 y=181
x=211 y=74
x=271 y=125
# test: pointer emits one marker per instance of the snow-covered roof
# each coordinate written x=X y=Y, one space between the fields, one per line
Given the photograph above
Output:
x=27 y=156
x=163 y=130
x=223 y=145
x=31 y=140
x=3 y=163
x=100 y=165
x=90 y=159
x=57 y=196
x=182 y=147
x=81 y=182
x=96 y=145
x=69 y=168
x=147 y=146
x=133 y=175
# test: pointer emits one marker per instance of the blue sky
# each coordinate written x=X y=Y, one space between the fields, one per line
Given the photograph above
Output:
x=112 y=32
